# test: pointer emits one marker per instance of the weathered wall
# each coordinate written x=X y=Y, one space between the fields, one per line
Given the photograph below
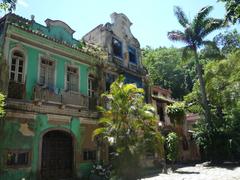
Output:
x=21 y=134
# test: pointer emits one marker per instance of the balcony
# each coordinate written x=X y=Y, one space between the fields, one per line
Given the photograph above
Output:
x=16 y=90
x=55 y=96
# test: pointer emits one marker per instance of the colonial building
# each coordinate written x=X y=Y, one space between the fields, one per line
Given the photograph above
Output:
x=50 y=115
x=123 y=50
x=188 y=150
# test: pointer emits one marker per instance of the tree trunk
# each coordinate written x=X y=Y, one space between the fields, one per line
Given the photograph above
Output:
x=203 y=92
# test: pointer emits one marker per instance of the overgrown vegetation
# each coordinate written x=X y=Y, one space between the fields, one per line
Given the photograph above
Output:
x=222 y=85
x=2 y=103
x=8 y=5
x=218 y=64
x=176 y=112
x=129 y=126
x=172 y=141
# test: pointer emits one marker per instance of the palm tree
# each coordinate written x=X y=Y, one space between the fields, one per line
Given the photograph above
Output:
x=193 y=36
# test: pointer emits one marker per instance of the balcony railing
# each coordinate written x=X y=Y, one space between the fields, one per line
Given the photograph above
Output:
x=16 y=90
x=70 y=98
x=46 y=94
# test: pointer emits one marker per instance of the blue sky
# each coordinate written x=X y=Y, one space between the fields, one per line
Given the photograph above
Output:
x=151 y=19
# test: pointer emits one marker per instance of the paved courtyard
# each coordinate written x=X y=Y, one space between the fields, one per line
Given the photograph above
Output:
x=201 y=172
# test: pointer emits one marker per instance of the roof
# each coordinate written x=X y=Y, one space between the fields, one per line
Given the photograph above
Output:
x=163 y=99
x=161 y=89
x=27 y=25
x=191 y=117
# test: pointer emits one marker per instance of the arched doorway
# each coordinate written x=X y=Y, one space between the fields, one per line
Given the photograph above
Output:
x=57 y=155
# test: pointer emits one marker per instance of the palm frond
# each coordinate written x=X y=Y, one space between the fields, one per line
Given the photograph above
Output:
x=203 y=13
x=211 y=24
x=181 y=16
x=177 y=36
x=98 y=132
x=198 y=21
x=209 y=43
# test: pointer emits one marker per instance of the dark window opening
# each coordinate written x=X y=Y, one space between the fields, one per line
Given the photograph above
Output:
x=117 y=48
x=132 y=55
x=185 y=144
x=160 y=112
x=155 y=93
x=89 y=155
x=110 y=78
x=17 y=158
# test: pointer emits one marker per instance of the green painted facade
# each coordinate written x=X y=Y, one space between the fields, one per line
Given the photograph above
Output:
x=13 y=139
x=56 y=43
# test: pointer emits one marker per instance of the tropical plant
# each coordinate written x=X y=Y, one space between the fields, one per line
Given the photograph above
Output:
x=193 y=36
x=8 y=5
x=172 y=146
x=233 y=10
x=222 y=85
x=2 y=98
x=167 y=70
x=229 y=41
x=176 y=112
x=129 y=126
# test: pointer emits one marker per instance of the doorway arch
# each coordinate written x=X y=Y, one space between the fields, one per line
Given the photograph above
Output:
x=57 y=155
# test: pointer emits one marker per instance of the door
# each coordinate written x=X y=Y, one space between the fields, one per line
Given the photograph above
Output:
x=57 y=155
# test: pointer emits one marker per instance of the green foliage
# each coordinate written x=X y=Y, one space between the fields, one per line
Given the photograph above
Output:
x=211 y=52
x=193 y=36
x=129 y=126
x=2 y=98
x=3 y=6
x=233 y=10
x=172 y=146
x=176 y=112
x=167 y=70
x=222 y=86
x=229 y=41
x=8 y=5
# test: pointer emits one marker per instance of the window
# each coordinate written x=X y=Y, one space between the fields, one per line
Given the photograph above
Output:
x=155 y=93
x=117 y=48
x=91 y=90
x=72 y=78
x=47 y=69
x=132 y=55
x=89 y=155
x=160 y=112
x=17 y=67
x=16 y=158
x=110 y=78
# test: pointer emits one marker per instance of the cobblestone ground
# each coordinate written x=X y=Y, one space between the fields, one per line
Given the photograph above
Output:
x=201 y=172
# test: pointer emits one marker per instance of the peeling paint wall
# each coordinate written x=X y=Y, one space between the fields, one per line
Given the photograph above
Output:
x=21 y=135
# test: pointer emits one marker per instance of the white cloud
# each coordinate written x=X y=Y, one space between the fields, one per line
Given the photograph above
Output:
x=22 y=3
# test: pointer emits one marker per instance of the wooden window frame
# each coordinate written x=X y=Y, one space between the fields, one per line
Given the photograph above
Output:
x=29 y=154
x=46 y=74
x=91 y=91
x=133 y=51
x=89 y=150
x=66 y=78
x=17 y=65
x=120 y=56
